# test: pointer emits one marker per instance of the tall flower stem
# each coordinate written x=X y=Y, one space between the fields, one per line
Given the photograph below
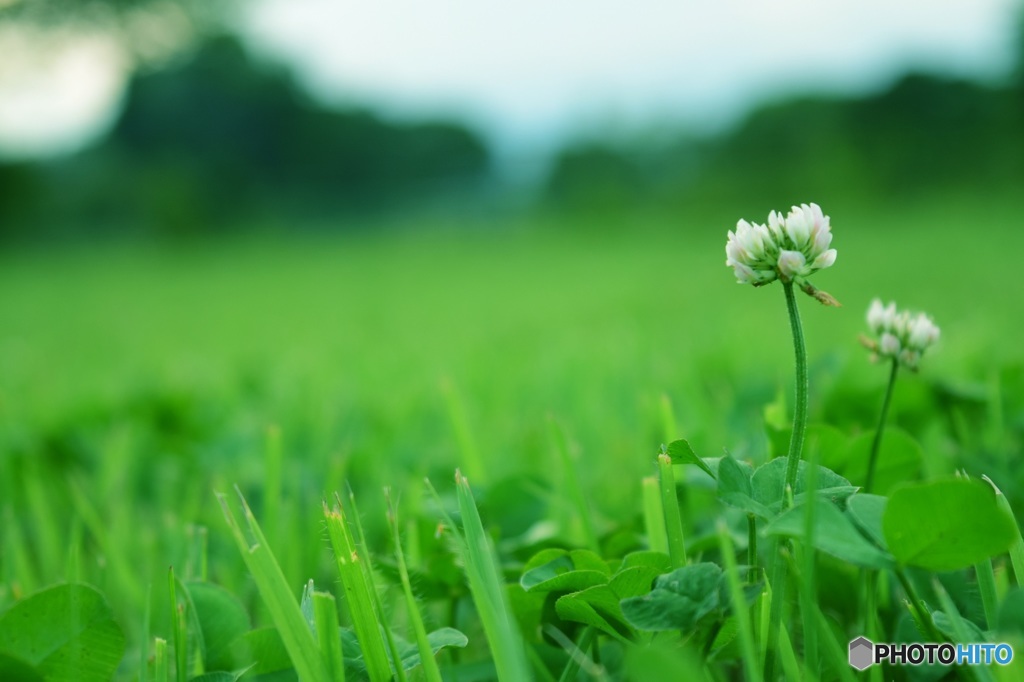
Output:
x=876 y=444
x=778 y=574
x=796 y=441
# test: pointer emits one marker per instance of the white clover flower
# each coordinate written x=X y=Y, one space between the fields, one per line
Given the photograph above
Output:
x=789 y=248
x=901 y=335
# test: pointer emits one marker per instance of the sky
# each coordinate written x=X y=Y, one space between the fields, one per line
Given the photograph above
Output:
x=532 y=73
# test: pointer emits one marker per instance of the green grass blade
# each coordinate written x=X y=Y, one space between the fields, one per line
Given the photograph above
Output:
x=571 y=480
x=179 y=632
x=670 y=506
x=751 y=669
x=17 y=567
x=487 y=588
x=987 y=588
x=471 y=458
x=980 y=674
x=654 y=515
x=125 y=574
x=272 y=465
x=161 y=670
x=431 y=671
x=1017 y=548
x=669 y=429
x=276 y=595
x=358 y=594
x=367 y=564
x=832 y=649
x=325 y=614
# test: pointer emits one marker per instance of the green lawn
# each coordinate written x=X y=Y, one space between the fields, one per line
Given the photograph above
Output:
x=135 y=381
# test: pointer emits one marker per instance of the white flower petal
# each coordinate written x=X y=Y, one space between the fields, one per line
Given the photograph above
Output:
x=791 y=264
x=825 y=260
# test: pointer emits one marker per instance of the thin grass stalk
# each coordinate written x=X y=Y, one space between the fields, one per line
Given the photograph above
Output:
x=808 y=580
x=752 y=571
x=179 y=633
x=778 y=579
x=273 y=459
x=277 y=596
x=764 y=605
x=431 y=671
x=161 y=669
x=122 y=571
x=45 y=527
x=960 y=633
x=922 y=617
x=669 y=429
x=143 y=653
x=538 y=665
x=367 y=564
x=835 y=652
x=357 y=593
x=571 y=479
x=486 y=586
x=482 y=565
x=1017 y=547
x=325 y=615
x=17 y=568
x=987 y=588
x=739 y=604
x=654 y=515
x=74 y=560
x=472 y=460
x=578 y=652
x=670 y=506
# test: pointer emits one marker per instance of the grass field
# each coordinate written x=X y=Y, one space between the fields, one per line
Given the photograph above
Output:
x=135 y=381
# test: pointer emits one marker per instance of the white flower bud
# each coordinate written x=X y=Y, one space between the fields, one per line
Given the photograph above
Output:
x=791 y=264
x=798 y=227
x=923 y=332
x=876 y=316
x=889 y=345
x=824 y=260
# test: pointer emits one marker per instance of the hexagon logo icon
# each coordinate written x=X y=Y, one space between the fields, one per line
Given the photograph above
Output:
x=861 y=653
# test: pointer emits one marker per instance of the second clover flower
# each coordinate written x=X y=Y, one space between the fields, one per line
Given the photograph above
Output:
x=901 y=335
x=789 y=248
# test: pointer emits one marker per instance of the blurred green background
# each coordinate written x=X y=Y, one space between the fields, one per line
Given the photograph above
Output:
x=234 y=253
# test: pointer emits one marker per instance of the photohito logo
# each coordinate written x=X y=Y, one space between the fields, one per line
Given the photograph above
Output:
x=864 y=653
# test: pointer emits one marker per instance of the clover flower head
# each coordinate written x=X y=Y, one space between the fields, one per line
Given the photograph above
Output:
x=790 y=248
x=901 y=335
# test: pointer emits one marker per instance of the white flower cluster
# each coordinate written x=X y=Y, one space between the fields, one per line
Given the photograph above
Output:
x=790 y=248
x=901 y=334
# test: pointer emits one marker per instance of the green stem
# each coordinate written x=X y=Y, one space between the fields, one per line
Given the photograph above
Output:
x=779 y=576
x=796 y=441
x=751 y=549
x=876 y=444
x=923 y=617
x=778 y=570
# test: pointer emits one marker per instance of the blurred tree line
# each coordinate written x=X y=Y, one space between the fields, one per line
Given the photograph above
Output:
x=218 y=140
x=925 y=134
